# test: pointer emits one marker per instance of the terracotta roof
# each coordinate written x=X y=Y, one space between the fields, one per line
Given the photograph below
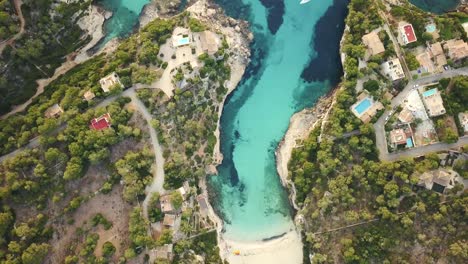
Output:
x=398 y=136
x=101 y=122
x=409 y=33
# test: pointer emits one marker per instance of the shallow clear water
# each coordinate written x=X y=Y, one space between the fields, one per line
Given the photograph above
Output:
x=124 y=18
x=288 y=49
x=436 y=6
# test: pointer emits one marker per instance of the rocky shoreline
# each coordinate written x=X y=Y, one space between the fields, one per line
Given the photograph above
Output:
x=300 y=126
x=93 y=24
x=238 y=37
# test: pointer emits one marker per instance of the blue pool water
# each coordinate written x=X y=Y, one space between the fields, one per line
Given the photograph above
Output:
x=295 y=60
x=183 y=41
x=409 y=143
x=363 y=106
x=431 y=28
x=430 y=92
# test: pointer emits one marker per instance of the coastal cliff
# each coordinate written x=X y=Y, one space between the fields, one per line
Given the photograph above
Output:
x=300 y=126
x=238 y=37
x=93 y=24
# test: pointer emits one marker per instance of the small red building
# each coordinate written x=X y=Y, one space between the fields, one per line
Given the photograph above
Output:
x=408 y=34
x=101 y=122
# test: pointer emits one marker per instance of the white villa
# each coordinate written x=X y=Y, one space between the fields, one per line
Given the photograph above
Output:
x=109 y=81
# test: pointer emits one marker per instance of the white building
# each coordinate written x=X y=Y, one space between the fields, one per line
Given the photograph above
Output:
x=181 y=37
x=393 y=69
x=109 y=81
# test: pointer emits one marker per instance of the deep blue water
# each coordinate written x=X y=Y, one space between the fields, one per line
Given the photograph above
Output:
x=436 y=6
x=295 y=60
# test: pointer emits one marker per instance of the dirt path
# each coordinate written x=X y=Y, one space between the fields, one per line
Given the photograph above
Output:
x=11 y=40
x=158 y=180
x=42 y=83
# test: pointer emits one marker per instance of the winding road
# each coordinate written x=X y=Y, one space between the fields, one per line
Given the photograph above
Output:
x=18 y=4
x=157 y=184
x=379 y=126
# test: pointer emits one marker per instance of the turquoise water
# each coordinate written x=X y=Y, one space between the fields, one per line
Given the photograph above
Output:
x=409 y=143
x=363 y=106
x=183 y=41
x=431 y=28
x=124 y=18
x=436 y=6
x=430 y=92
x=288 y=49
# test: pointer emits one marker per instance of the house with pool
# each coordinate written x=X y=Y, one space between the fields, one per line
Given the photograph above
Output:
x=401 y=137
x=366 y=108
x=181 y=37
x=433 y=102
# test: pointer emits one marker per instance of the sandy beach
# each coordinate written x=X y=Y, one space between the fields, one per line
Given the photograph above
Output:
x=286 y=249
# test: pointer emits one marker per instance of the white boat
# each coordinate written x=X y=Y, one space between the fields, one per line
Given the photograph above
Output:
x=304 y=2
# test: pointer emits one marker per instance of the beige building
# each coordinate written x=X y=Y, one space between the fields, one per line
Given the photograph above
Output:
x=463 y=117
x=425 y=61
x=162 y=253
x=203 y=203
x=437 y=180
x=406 y=116
x=433 y=59
x=109 y=81
x=456 y=49
x=433 y=102
x=184 y=190
x=169 y=220
x=438 y=56
x=88 y=96
x=373 y=43
x=53 y=111
x=209 y=42
x=393 y=69
x=166 y=204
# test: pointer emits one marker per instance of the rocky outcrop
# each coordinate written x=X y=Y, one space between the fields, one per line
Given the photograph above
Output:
x=300 y=126
x=92 y=23
x=238 y=37
x=160 y=8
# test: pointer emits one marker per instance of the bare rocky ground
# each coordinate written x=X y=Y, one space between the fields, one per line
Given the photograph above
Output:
x=68 y=238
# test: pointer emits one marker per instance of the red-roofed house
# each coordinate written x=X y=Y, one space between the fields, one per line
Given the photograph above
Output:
x=101 y=122
x=407 y=34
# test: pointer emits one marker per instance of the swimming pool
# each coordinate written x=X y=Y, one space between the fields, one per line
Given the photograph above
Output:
x=430 y=92
x=183 y=41
x=363 y=106
x=409 y=143
x=431 y=28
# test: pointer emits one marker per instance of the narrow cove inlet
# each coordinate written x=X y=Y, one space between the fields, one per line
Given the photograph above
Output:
x=295 y=61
